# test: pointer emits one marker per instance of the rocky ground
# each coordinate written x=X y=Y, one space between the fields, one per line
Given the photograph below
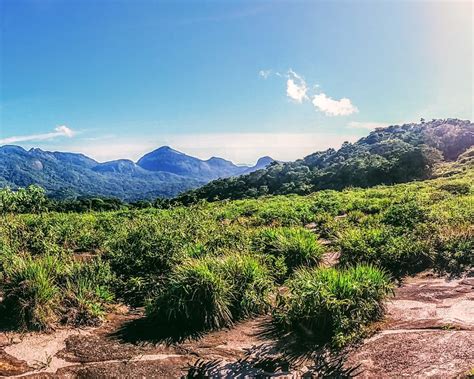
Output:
x=428 y=332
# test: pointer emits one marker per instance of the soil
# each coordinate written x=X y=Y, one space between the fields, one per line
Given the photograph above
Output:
x=428 y=332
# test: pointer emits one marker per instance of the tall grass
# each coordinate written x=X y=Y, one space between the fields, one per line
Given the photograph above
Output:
x=455 y=249
x=87 y=292
x=211 y=264
x=212 y=292
x=41 y=291
x=32 y=296
x=195 y=297
x=290 y=248
x=385 y=247
x=332 y=306
x=251 y=284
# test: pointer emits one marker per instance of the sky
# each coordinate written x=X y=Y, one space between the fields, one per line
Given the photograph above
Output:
x=236 y=79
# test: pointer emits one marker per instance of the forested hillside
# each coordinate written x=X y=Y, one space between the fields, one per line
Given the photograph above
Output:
x=396 y=154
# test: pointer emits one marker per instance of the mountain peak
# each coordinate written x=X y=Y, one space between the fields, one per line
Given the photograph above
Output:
x=12 y=148
x=218 y=160
x=166 y=149
x=264 y=160
x=167 y=159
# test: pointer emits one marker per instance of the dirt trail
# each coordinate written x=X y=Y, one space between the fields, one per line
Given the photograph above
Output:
x=428 y=332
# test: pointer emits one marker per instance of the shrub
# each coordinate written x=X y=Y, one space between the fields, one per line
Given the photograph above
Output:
x=456 y=188
x=43 y=290
x=225 y=237
x=326 y=305
x=328 y=202
x=292 y=246
x=328 y=226
x=251 y=284
x=382 y=246
x=454 y=247
x=195 y=298
x=404 y=215
x=86 y=293
x=211 y=293
x=31 y=293
x=142 y=255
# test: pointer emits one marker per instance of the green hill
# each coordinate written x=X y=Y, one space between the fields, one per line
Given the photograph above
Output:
x=396 y=154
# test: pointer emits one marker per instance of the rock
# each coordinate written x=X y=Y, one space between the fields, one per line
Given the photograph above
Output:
x=4 y=340
x=10 y=366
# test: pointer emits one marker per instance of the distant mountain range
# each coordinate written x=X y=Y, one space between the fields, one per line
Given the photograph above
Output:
x=163 y=172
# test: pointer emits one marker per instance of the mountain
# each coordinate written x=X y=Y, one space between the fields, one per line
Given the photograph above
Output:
x=162 y=173
x=395 y=154
x=169 y=160
x=261 y=164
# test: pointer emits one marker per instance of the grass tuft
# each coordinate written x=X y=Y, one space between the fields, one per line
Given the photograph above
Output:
x=332 y=306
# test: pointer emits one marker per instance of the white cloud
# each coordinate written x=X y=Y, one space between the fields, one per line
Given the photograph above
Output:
x=331 y=107
x=60 y=131
x=265 y=73
x=64 y=130
x=296 y=88
x=367 y=125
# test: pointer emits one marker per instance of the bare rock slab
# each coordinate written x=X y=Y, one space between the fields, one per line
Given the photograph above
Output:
x=11 y=366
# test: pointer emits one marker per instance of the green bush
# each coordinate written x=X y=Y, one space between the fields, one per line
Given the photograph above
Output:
x=294 y=247
x=142 y=255
x=331 y=306
x=41 y=291
x=212 y=292
x=133 y=255
x=399 y=254
x=327 y=202
x=196 y=297
x=405 y=215
x=454 y=249
x=87 y=292
x=456 y=188
x=32 y=296
x=251 y=284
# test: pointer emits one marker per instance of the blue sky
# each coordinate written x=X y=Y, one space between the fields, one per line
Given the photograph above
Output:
x=236 y=79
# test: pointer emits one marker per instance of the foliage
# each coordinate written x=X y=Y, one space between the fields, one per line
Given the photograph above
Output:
x=396 y=154
x=455 y=249
x=142 y=254
x=251 y=284
x=25 y=200
x=87 y=293
x=42 y=290
x=405 y=214
x=292 y=247
x=195 y=297
x=212 y=292
x=222 y=260
x=383 y=246
x=328 y=305
x=31 y=294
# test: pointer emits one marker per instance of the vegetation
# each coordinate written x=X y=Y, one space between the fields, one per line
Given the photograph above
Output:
x=329 y=305
x=212 y=292
x=396 y=154
x=209 y=265
x=42 y=290
x=289 y=248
